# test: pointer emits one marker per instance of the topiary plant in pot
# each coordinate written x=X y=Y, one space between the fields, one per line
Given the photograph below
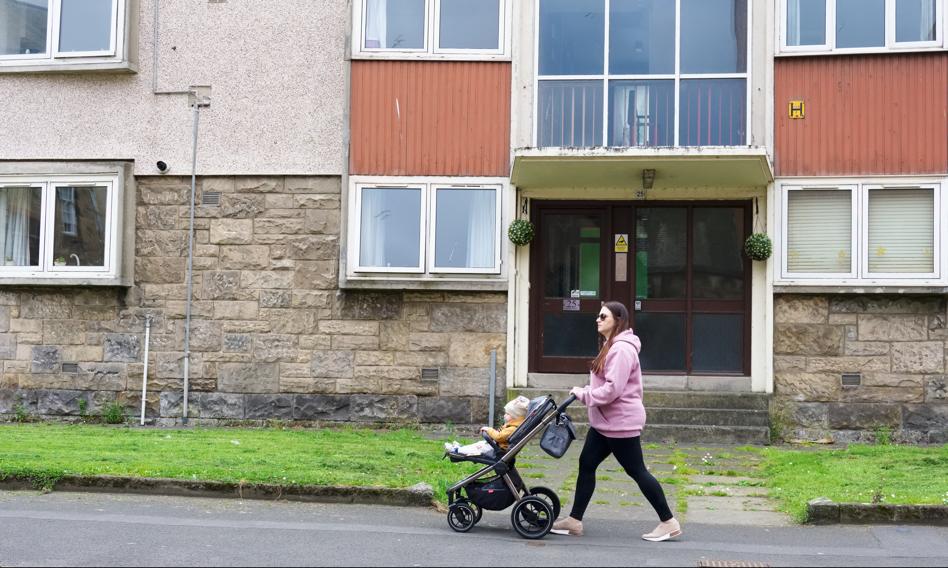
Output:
x=758 y=246
x=521 y=232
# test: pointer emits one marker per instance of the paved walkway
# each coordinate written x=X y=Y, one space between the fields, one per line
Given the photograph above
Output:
x=703 y=484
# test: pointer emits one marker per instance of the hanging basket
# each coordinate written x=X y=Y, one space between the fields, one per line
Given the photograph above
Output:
x=758 y=246
x=521 y=232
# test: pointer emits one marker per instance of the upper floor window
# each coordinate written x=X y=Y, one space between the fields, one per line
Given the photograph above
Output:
x=61 y=32
x=642 y=73
x=860 y=26
x=473 y=29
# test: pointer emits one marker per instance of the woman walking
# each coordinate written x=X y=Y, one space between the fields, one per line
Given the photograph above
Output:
x=616 y=419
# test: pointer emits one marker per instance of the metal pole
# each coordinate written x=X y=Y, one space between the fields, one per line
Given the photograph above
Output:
x=187 y=304
x=145 y=374
x=492 y=387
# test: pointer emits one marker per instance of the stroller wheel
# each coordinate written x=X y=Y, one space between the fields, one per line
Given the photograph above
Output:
x=461 y=517
x=532 y=517
x=551 y=498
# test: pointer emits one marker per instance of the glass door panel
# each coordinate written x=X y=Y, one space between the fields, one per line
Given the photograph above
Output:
x=573 y=286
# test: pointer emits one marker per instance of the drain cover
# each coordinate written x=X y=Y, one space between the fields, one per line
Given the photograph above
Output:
x=731 y=564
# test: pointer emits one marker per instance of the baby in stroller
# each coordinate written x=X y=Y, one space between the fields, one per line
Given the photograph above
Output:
x=515 y=412
x=498 y=485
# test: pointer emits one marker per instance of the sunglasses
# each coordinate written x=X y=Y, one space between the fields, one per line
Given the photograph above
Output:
x=602 y=317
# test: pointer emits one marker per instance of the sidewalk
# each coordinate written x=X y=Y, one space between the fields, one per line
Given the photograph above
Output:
x=703 y=484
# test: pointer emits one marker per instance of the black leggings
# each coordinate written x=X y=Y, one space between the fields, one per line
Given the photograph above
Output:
x=628 y=452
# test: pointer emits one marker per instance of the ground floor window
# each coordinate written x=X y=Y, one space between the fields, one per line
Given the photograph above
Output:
x=425 y=227
x=861 y=231
x=679 y=267
x=58 y=227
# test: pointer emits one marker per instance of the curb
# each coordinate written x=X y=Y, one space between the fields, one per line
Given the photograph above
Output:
x=421 y=495
x=822 y=511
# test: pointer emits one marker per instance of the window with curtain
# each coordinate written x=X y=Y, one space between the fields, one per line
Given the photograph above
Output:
x=390 y=228
x=433 y=26
x=58 y=228
x=901 y=231
x=864 y=25
x=465 y=228
x=819 y=231
x=426 y=227
x=863 y=232
x=624 y=94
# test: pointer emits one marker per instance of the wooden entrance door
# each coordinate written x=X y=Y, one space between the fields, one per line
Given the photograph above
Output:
x=683 y=277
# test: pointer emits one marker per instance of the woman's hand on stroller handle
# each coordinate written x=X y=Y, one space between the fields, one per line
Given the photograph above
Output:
x=569 y=400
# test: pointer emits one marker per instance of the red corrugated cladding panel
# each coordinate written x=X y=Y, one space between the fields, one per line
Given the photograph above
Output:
x=430 y=118
x=865 y=114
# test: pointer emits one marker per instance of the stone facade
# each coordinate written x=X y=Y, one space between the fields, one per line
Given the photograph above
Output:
x=272 y=336
x=896 y=343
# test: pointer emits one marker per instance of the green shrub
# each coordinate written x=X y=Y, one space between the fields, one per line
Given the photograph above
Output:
x=114 y=413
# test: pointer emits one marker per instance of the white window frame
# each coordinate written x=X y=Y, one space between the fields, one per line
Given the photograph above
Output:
x=677 y=76
x=432 y=233
x=829 y=47
x=357 y=236
x=938 y=213
x=860 y=275
x=432 y=37
x=853 y=237
x=426 y=270
x=54 y=57
x=46 y=268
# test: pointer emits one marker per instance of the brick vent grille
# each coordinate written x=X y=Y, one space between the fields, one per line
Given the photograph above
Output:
x=211 y=198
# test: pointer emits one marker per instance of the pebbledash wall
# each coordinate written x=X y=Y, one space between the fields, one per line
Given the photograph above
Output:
x=273 y=336
x=896 y=343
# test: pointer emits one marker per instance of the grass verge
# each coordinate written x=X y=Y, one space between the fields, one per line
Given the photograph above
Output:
x=904 y=475
x=339 y=457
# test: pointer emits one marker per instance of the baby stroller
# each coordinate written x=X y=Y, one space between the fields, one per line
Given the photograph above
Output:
x=498 y=485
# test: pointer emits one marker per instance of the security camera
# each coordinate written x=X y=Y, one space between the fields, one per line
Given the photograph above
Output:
x=162 y=167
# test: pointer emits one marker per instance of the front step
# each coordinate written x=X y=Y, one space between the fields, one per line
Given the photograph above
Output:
x=688 y=416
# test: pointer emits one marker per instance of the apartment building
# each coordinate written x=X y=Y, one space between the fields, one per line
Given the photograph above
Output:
x=358 y=166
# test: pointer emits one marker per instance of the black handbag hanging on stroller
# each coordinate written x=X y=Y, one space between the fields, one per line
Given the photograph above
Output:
x=498 y=485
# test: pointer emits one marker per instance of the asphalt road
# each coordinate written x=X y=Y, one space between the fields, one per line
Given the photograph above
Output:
x=68 y=529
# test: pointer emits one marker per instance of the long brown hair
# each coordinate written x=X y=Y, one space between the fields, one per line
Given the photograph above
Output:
x=621 y=314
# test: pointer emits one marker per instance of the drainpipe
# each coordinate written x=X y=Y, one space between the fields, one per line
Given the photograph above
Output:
x=198 y=100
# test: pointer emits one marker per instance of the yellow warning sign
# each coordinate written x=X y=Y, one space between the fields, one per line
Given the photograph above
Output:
x=797 y=109
x=622 y=243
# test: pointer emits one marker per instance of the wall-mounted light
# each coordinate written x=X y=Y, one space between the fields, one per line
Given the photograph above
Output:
x=648 y=179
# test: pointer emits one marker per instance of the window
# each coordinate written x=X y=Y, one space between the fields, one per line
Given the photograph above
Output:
x=861 y=232
x=642 y=73
x=38 y=32
x=59 y=227
x=860 y=26
x=426 y=228
x=420 y=28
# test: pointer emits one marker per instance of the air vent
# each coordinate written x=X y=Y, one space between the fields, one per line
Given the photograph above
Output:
x=70 y=367
x=212 y=198
x=429 y=374
x=851 y=379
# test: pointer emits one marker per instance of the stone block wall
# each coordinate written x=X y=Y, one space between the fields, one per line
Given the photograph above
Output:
x=272 y=336
x=896 y=343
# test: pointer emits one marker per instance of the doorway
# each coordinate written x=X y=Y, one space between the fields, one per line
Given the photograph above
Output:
x=677 y=266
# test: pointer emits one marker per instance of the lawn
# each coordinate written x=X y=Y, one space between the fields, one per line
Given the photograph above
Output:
x=857 y=474
x=345 y=456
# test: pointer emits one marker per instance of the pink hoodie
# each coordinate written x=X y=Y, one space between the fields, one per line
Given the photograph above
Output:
x=614 y=398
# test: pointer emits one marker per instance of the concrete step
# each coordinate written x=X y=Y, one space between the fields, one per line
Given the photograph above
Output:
x=688 y=417
x=674 y=399
x=701 y=434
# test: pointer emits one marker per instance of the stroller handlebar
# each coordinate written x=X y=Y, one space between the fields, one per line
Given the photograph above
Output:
x=562 y=408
